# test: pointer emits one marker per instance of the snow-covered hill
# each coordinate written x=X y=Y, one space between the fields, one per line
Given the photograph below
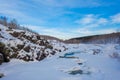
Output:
x=25 y=45
x=79 y=62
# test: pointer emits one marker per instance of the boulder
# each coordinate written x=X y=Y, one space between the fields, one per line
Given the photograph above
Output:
x=1 y=75
x=1 y=59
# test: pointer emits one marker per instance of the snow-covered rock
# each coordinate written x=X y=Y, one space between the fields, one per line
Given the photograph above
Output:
x=28 y=46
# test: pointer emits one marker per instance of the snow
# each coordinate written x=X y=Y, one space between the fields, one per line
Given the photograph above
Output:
x=94 y=66
x=2 y=27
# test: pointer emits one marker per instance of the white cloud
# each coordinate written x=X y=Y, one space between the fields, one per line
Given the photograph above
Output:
x=91 y=20
x=102 y=21
x=87 y=19
x=55 y=32
x=115 y=18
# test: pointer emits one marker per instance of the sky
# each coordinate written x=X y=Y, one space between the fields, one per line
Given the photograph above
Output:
x=65 y=19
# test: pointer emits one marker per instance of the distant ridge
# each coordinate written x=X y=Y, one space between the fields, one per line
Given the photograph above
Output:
x=97 y=39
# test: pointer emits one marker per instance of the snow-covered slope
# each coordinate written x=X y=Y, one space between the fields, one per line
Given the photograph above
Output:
x=25 y=45
x=79 y=62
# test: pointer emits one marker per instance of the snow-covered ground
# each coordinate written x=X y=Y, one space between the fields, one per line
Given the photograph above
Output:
x=79 y=62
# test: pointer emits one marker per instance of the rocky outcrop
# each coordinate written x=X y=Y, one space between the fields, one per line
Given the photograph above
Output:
x=4 y=53
x=27 y=46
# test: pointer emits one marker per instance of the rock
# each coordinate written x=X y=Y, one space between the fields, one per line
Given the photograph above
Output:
x=15 y=34
x=74 y=72
x=2 y=45
x=49 y=46
x=53 y=52
x=1 y=75
x=26 y=58
x=1 y=58
x=96 y=51
x=19 y=46
x=5 y=52
x=15 y=55
x=27 y=49
x=41 y=56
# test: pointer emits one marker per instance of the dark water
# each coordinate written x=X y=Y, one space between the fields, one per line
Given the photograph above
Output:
x=69 y=54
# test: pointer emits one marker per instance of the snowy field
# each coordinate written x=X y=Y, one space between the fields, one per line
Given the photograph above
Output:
x=79 y=62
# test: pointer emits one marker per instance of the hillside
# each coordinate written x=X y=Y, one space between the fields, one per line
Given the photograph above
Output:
x=113 y=38
x=26 y=45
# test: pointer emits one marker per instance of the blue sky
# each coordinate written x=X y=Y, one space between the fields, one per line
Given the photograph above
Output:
x=65 y=18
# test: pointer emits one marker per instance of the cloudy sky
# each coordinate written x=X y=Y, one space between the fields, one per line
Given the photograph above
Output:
x=65 y=18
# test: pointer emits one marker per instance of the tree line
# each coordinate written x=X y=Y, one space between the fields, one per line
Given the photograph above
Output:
x=13 y=24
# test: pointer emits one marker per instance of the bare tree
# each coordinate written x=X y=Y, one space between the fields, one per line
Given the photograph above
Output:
x=3 y=20
x=13 y=24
